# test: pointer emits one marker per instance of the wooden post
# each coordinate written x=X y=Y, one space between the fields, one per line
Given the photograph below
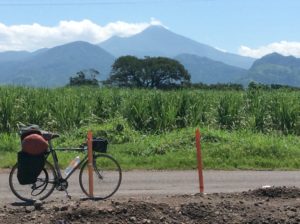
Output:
x=90 y=163
x=199 y=159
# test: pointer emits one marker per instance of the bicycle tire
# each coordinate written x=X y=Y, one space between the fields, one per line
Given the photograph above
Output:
x=107 y=175
x=30 y=192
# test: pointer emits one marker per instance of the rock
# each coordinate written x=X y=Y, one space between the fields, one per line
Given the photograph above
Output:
x=64 y=208
x=146 y=221
x=116 y=203
x=162 y=218
x=124 y=210
x=293 y=209
x=131 y=199
x=29 y=209
x=132 y=219
x=38 y=205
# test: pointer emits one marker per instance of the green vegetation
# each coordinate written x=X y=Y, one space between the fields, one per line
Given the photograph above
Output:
x=154 y=129
x=176 y=149
x=151 y=111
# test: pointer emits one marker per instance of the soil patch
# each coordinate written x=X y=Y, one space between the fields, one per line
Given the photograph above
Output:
x=264 y=205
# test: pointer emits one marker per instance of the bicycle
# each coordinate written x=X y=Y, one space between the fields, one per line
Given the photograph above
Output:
x=107 y=175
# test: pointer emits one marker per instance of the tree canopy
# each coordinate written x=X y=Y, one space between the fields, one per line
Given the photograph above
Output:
x=85 y=77
x=150 y=72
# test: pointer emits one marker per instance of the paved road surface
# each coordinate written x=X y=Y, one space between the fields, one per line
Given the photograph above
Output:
x=177 y=182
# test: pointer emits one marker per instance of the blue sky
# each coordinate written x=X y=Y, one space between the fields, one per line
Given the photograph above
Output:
x=248 y=27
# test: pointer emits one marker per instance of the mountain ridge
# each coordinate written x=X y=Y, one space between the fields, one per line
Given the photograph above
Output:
x=208 y=71
x=275 y=68
x=159 y=41
x=56 y=65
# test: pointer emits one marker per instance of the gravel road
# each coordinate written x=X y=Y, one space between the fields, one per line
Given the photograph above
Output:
x=141 y=183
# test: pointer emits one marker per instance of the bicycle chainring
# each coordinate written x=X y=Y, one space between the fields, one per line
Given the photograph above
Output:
x=62 y=185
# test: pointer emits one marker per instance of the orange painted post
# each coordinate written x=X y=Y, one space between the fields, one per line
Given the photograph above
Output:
x=90 y=163
x=199 y=159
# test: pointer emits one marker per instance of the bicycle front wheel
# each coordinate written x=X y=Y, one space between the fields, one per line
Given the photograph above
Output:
x=107 y=176
x=39 y=190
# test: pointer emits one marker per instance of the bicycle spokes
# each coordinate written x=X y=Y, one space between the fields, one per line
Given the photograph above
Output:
x=98 y=173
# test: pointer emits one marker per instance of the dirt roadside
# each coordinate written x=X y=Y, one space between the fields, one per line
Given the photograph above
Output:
x=270 y=205
x=169 y=197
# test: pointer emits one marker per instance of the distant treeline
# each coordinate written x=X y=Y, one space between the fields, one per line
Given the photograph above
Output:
x=218 y=86
x=88 y=77
x=240 y=87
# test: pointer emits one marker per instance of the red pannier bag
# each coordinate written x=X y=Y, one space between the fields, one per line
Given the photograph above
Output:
x=34 y=144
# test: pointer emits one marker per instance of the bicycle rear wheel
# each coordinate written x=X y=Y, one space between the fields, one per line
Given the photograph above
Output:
x=107 y=177
x=40 y=190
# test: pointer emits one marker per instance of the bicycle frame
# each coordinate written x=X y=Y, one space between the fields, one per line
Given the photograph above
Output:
x=55 y=160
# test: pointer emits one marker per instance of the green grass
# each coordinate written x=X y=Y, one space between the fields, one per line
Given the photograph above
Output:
x=221 y=149
x=153 y=129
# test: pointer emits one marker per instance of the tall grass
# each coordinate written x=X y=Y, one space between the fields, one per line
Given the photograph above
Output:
x=151 y=110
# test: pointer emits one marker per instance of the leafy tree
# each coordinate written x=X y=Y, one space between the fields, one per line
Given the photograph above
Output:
x=163 y=72
x=253 y=86
x=85 y=77
x=151 y=72
x=126 y=71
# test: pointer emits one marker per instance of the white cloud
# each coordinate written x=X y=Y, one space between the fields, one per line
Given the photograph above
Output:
x=221 y=49
x=283 y=47
x=35 y=36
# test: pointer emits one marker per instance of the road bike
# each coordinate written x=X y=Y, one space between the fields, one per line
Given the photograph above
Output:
x=107 y=175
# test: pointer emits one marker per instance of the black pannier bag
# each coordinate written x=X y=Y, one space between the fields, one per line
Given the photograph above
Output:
x=29 y=167
x=100 y=145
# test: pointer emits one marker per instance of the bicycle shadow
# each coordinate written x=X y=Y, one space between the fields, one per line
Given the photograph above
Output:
x=17 y=204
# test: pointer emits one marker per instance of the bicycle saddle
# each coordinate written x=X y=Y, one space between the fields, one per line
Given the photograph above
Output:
x=48 y=135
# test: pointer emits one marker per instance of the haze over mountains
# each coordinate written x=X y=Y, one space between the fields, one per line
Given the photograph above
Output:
x=54 y=66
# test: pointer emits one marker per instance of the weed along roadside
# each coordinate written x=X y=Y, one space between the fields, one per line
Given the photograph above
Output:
x=221 y=149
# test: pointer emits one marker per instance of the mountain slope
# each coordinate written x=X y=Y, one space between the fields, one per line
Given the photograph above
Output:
x=208 y=71
x=158 y=41
x=53 y=67
x=14 y=55
x=275 y=69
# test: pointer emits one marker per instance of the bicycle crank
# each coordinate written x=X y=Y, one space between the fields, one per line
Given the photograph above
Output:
x=62 y=185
